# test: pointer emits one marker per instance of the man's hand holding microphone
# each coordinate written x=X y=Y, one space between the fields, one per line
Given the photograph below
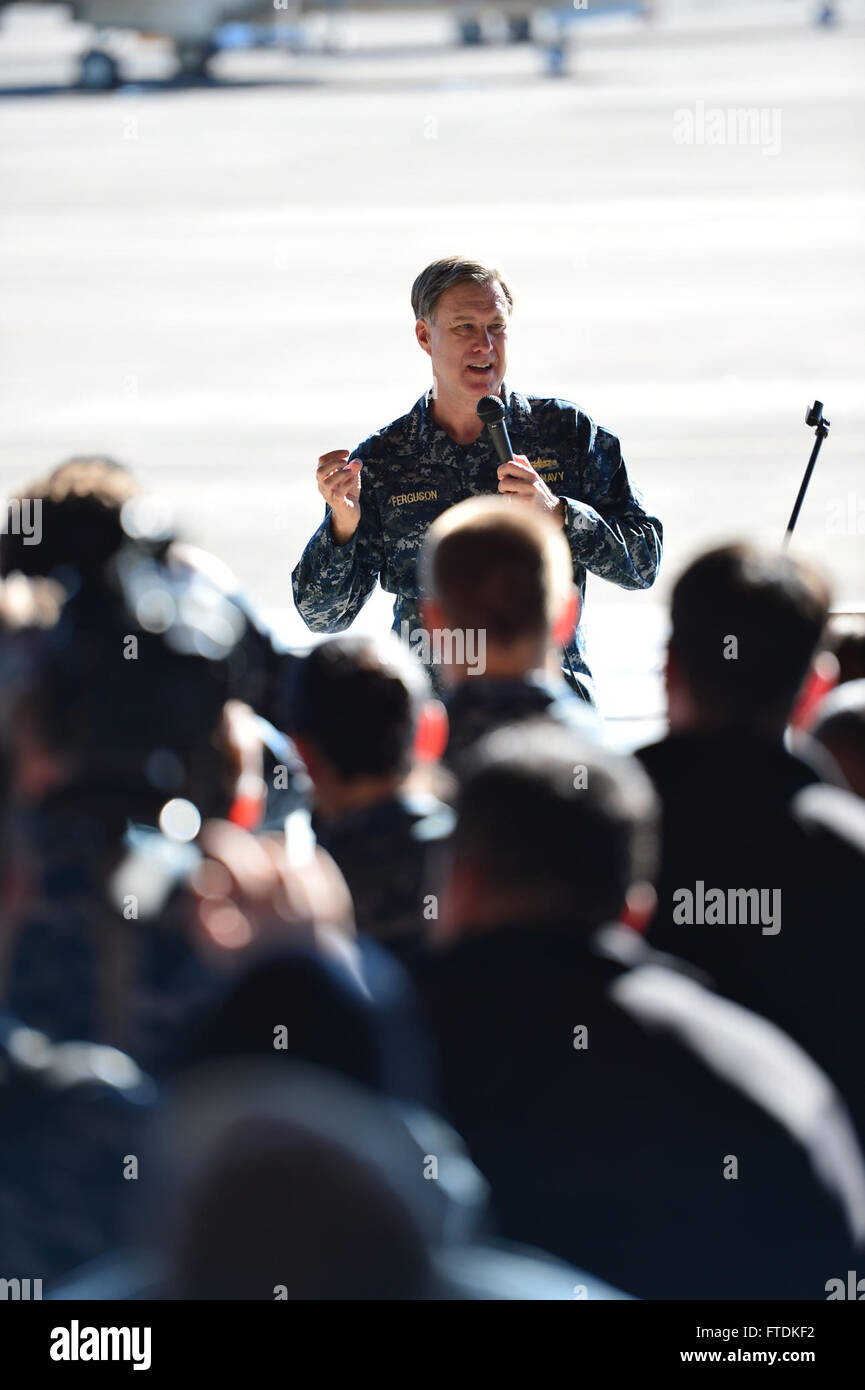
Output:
x=517 y=478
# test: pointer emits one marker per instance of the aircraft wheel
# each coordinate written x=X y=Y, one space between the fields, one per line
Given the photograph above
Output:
x=519 y=28
x=471 y=31
x=193 y=59
x=98 y=72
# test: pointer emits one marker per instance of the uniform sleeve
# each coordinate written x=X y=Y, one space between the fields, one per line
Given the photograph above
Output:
x=608 y=529
x=330 y=582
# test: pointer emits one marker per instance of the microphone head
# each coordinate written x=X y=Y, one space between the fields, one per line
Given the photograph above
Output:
x=491 y=410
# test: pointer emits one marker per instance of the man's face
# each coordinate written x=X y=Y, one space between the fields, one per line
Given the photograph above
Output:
x=467 y=339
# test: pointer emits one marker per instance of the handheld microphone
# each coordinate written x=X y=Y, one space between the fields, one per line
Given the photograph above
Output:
x=492 y=411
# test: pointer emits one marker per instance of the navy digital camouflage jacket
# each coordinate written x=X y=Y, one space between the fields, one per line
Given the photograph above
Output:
x=413 y=471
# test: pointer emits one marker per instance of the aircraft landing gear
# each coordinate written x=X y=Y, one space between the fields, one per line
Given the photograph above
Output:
x=471 y=31
x=98 y=71
x=193 y=59
x=519 y=29
x=557 y=59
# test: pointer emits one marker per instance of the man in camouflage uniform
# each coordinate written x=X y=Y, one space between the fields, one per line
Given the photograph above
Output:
x=438 y=454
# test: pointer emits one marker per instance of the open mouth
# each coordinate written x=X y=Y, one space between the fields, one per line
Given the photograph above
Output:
x=480 y=367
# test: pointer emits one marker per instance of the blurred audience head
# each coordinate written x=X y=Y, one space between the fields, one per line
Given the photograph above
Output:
x=745 y=625
x=283 y=1181
x=501 y=574
x=845 y=638
x=840 y=728
x=282 y=1212
x=361 y=712
x=306 y=1005
x=551 y=830
x=68 y=524
x=140 y=700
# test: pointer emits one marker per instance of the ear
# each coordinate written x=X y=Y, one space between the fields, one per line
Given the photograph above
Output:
x=679 y=711
x=640 y=906
x=432 y=731
x=822 y=676
x=432 y=615
x=307 y=750
x=672 y=670
x=459 y=897
x=569 y=616
x=422 y=333
x=36 y=770
x=19 y=885
x=243 y=745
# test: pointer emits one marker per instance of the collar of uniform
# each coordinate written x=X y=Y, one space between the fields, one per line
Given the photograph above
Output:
x=534 y=688
x=519 y=415
x=424 y=432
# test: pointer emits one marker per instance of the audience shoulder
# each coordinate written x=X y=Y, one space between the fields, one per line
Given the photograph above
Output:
x=765 y=1065
x=835 y=810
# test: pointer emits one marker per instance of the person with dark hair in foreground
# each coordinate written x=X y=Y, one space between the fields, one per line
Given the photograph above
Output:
x=277 y=1181
x=627 y=1118
x=763 y=865
x=122 y=740
x=77 y=511
x=75 y=525
x=362 y=710
x=351 y=1013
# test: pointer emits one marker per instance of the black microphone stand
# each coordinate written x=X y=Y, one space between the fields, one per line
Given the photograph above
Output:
x=814 y=418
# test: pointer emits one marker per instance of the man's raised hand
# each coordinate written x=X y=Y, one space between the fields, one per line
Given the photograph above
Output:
x=339 y=484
